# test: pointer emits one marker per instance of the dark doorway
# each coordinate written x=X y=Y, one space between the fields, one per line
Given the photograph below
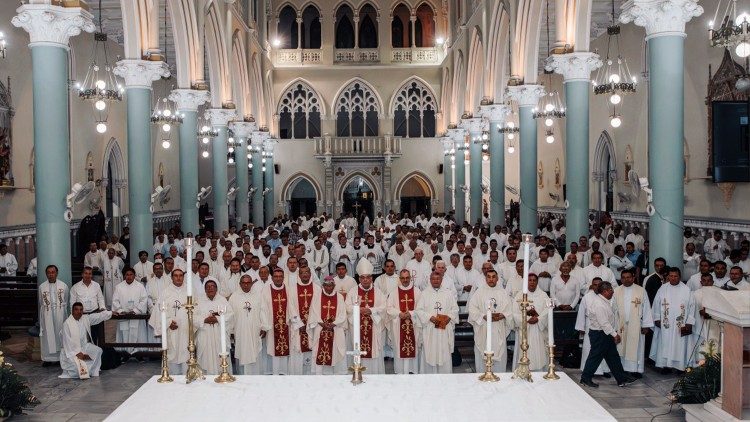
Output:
x=303 y=200
x=415 y=196
x=359 y=199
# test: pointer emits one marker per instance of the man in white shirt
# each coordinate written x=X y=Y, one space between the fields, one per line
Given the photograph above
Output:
x=597 y=269
x=736 y=280
x=467 y=278
x=420 y=269
x=130 y=298
x=716 y=248
x=93 y=258
x=694 y=282
x=636 y=238
x=565 y=290
x=8 y=263
x=118 y=247
x=143 y=268
x=690 y=261
x=388 y=281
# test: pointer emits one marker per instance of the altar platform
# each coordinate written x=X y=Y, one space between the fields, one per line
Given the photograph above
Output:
x=382 y=398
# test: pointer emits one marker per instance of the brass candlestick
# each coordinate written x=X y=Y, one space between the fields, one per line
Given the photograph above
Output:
x=194 y=371
x=357 y=369
x=164 y=369
x=488 y=375
x=522 y=370
x=224 y=377
x=551 y=375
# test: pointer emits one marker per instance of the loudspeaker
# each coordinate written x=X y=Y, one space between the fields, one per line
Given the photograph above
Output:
x=440 y=168
x=277 y=169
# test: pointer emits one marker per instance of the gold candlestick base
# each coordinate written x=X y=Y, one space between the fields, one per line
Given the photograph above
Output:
x=164 y=369
x=551 y=375
x=488 y=375
x=522 y=370
x=194 y=371
x=357 y=369
x=224 y=377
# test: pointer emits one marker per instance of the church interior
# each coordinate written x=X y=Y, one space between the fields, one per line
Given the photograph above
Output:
x=457 y=197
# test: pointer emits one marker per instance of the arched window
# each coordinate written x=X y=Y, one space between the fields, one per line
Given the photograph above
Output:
x=357 y=110
x=424 y=31
x=299 y=112
x=414 y=109
x=401 y=27
x=287 y=28
x=344 y=27
x=368 y=28
x=311 y=28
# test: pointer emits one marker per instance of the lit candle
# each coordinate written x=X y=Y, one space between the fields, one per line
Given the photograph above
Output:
x=488 y=347
x=223 y=329
x=550 y=324
x=525 y=267
x=163 y=326
x=189 y=258
x=355 y=330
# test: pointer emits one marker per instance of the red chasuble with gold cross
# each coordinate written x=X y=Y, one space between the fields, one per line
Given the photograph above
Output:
x=304 y=297
x=280 y=327
x=406 y=336
x=366 y=300
x=328 y=308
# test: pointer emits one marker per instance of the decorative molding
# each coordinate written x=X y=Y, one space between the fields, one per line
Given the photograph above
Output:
x=661 y=17
x=269 y=144
x=447 y=143
x=52 y=25
x=141 y=73
x=525 y=95
x=458 y=136
x=189 y=99
x=243 y=130
x=474 y=125
x=573 y=66
x=258 y=138
x=220 y=116
x=495 y=113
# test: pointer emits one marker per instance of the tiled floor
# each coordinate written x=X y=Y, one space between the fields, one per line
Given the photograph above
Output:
x=92 y=400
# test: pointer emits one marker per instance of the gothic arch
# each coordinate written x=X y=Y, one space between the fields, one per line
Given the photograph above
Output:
x=113 y=156
x=218 y=63
x=414 y=109
x=604 y=155
x=309 y=86
x=475 y=72
x=300 y=111
x=418 y=175
x=293 y=180
x=525 y=59
x=187 y=42
x=240 y=82
x=497 y=51
x=458 y=82
x=348 y=179
x=404 y=83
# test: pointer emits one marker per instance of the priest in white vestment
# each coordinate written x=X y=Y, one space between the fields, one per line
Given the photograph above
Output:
x=319 y=259
x=301 y=289
x=79 y=358
x=420 y=269
x=130 y=298
x=674 y=317
x=545 y=268
x=277 y=312
x=8 y=262
x=328 y=321
x=404 y=330
x=493 y=297
x=633 y=313
x=582 y=325
x=53 y=310
x=344 y=282
x=372 y=303
x=706 y=332
x=342 y=252
x=388 y=281
x=248 y=327
x=229 y=281
x=173 y=298
x=597 y=269
x=536 y=316
x=112 y=267
x=208 y=333
x=437 y=313
x=143 y=268
x=467 y=278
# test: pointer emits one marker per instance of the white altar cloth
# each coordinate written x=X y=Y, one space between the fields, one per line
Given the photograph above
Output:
x=382 y=398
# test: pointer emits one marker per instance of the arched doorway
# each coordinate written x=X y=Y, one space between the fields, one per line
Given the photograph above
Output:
x=114 y=181
x=415 y=196
x=302 y=200
x=605 y=173
x=358 y=198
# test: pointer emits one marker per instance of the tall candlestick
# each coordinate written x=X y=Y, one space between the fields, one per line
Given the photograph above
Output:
x=356 y=321
x=163 y=308
x=189 y=258
x=223 y=329
x=527 y=238
x=550 y=324
x=488 y=347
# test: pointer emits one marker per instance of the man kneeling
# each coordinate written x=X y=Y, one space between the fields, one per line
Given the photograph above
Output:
x=79 y=358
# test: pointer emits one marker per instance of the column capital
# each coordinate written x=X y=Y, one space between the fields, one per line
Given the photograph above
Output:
x=52 y=25
x=258 y=138
x=189 y=99
x=574 y=66
x=661 y=17
x=269 y=144
x=473 y=124
x=525 y=95
x=447 y=143
x=243 y=129
x=141 y=73
x=458 y=136
x=495 y=112
x=220 y=116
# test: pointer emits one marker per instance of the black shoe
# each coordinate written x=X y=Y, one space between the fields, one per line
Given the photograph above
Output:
x=607 y=375
x=665 y=371
x=636 y=375
x=627 y=381
x=49 y=364
x=591 y=384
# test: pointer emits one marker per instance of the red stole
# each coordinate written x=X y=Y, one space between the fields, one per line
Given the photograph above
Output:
x=366 y=300
x=280 y=327
x=304 y=296
x=328 y=308
x=407 y=339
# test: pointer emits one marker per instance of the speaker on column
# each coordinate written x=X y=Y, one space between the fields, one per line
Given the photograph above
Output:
x=277 y=169
x=440 y=168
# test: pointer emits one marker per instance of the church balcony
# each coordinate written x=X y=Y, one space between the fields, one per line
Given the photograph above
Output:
x=353 y=147
x=356 y=55
x=417 y=55
x=296 y=56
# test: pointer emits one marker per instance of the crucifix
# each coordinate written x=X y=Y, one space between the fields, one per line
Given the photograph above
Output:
x=356 y=207
x=305 y=295
x=406 y=300
x=328 y=307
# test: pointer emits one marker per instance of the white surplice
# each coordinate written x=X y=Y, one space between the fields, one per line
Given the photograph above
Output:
x=76 y=338
x=538 y=352
x=130 y=298
x=208 y=336
x=277 y=363
x=53 y=309
x=248 y=344
x=499 y=302
x=112 y=271
x=582 y=324
x=300 y=363
x=674 y=306
x=394 y=325
x=320 y=311
x=174 y=299
x=633 y=312
x=437 y=344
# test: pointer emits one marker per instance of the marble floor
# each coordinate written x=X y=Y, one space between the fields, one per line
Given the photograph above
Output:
x=92 y=400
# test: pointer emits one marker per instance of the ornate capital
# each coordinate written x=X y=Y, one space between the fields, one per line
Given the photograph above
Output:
x=457 y=135
x=574 y=66
x=525 y=95
x=220 y=116
x=447 y=143
x=243 y=129
x=495 y=112
x=259 y=138
x=661 y=17
x=141 y=73
x=269 y=144
x=473 y=125
x=189 y=99
x=52 y=25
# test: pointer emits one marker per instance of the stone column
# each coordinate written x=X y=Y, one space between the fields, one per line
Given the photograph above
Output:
x=268 y=176
x=447 y=174
x=665 y=21
x=576 y=70
x=138 y=76
x=496 y=115
x=220 y=118
x=527 y=97
x=50 y=29
x=242 y=132
x=474 y=127
x=188 y=101
x=458 y=136
x=257 y=140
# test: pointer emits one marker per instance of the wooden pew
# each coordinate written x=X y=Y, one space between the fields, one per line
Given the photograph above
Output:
x=18 y=301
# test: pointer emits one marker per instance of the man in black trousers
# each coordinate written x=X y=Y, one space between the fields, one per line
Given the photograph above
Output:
x=604 y=339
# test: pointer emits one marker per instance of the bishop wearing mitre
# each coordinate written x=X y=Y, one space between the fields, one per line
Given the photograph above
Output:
x=536 y=316
x=633 y=313
x=437 y=313
x=404 y=330
x=173 y=298
x=277 y=311
x=491 y=296
x=327 y=321
x=301 y=289
x=249 y=327
x=372 y=318
x=208 y=338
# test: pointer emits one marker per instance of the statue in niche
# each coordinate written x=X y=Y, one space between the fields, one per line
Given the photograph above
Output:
x=161 y=174
x=558 y=182
x=89 y=168
x=628 y=163
x=6 y=138
x=540 y=175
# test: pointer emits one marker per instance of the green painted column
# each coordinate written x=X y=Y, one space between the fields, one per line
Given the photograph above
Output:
x=458 y=136
x=665 y=34
x=474 y=127
x=188 y=101
x=496 y=114
x=527 y=97
x=50 y=28
x=138 y=76
x=258 y=138
x=576 y=69
x=268 y=176
x=448 y=157
x=242 y=132
x=220 y=119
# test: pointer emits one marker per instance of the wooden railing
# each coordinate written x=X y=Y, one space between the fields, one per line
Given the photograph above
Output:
x=358 y=146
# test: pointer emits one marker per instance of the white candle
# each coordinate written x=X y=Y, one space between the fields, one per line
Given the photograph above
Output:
x=189 y=256
x=550 y=324
x=163 y=326
x=223 y=329
x=525 y=267
x=355 y=330
x=488 y=347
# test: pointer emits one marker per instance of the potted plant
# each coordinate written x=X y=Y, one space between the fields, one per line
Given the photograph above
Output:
x=15 y=395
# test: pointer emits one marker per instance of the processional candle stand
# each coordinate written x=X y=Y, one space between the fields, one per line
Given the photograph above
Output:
x=165 y=378
x=356 y=369
x=194 y=371
x=224 y=377
x=488 y=375
x=551 y=375
x=522 y=370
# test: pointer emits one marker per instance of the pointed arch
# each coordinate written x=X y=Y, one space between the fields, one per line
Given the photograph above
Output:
x=457 y=94
x=218 y=62
x=605 y=156
x=240 y=75
x=259 y=106
x=474 y=72
x=525 y=60
x=401 y=25
x=311 y=28
x=187 y=42
x=421 y=178
x=113 y=157
x=445 y=98
x=424 y=31
x=300 y=110
x=350 y=177
x=294 y=180
x=368 y=25
x=140 y=23
x=497 y=51
x=414 y=109
x=286 y=27
x=344 y=25
x=357 y=108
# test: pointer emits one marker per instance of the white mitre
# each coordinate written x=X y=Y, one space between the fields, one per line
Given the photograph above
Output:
x=364 y=267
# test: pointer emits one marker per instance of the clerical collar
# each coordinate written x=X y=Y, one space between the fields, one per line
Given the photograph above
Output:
x=273 y=286
x=304 y=284
x=333 y=293
x=365 y=290
x=409 y=287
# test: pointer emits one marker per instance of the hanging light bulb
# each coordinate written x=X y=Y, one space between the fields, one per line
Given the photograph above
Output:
x=166 y=127
x=230 y=150
x=485 y=136
x=550 y=138
x=615 y=99
x=264 y=168
x=549 y=107
x=249 y=156
x=165 y=143
x=205 y=140
x=485 y=157
x=204 y=128
x=485 y=147
x=511 y=136
x=101 y=85
x=101 y=127
x=263 y=161
x=453 y=166
x=743 y=49
x=100 y=105
x=549 y=122
x=511 y=149
x=204 y=154
x=614 y=78
x=616 y=121
x=230 y=160
x=250 y=165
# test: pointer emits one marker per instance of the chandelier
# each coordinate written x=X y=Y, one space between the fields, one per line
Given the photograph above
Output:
x=614 y=78
x=165 y=114
x=510 y=128
x=231 y=145
x=734 y=28
x=100 y=85
x=550 y=105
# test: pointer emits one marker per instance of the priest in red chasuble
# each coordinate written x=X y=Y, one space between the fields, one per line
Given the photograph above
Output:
x=278 y=312
x=301 y=290
x=327 y=322
x=372 y=322
x=404 y=328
